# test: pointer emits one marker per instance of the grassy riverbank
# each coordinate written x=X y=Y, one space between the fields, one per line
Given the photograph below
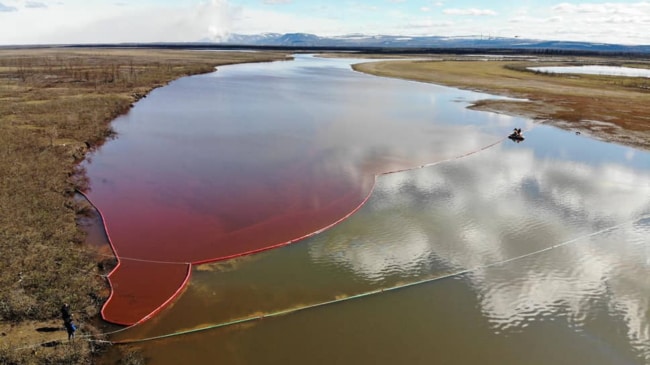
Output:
x=609 y=108
x=55 y=105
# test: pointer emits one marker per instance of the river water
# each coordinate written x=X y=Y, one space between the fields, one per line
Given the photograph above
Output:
x=596 y=70
x=486 y=250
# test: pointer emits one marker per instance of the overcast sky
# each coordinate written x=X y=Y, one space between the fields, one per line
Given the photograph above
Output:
x=100 y=21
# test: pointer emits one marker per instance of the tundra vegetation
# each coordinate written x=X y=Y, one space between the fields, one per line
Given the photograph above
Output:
x=56 y=104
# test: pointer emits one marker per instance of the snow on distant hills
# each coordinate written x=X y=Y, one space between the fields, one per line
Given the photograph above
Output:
x=389 y=41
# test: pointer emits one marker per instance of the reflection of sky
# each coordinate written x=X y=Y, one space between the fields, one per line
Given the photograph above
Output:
x=503 y=202
x=204 y=143
x=505 y=185
x=499 y=203
x=510 y=200
x=605 y=273
x=596 y=70
x=256 y=155
x=549 y=144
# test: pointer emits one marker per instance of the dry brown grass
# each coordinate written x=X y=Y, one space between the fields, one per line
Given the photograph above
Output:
x=55 y=105
x=568 y=101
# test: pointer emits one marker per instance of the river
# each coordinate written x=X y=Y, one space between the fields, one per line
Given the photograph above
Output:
x=431 y=236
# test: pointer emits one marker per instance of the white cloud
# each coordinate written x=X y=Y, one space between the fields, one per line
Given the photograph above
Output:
x=251 y=21
x=603 y=9
x=428 y=25
x=85 y=21
x=359 y=7
x=622 y=23
x=276 y=2
x=607 y=15
x=35 y=4
x=469 y=11
x=108 y=23
x=6 y=8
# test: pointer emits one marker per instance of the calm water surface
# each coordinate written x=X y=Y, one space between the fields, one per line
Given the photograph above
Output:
x=257 y=155
x=596 y=70
x=550 y=235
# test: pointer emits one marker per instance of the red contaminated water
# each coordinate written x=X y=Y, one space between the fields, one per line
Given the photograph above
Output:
x=159 y=229
x=211 y=168
x=157 y=237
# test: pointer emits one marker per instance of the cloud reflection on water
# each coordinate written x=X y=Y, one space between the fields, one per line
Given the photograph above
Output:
x=506 y=202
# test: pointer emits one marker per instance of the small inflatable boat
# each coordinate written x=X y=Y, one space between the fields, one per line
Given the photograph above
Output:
x=516 y=137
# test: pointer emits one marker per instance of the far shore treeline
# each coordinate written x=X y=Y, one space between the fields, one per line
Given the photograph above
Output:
x=548 y=48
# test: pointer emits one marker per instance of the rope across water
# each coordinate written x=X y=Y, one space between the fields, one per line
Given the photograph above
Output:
x=92 y=338
x=137 y=259
x=382 y=290
x=189 y=265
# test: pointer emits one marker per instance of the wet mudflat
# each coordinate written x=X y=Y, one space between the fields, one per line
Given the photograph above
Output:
x=536 y=252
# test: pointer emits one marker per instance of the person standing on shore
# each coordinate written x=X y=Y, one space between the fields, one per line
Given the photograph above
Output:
x=65 y=312
x=67 y=321
x=70 y=328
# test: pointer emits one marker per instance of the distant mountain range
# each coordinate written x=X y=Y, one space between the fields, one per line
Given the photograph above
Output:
x=387 y=44
x=306 y=40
